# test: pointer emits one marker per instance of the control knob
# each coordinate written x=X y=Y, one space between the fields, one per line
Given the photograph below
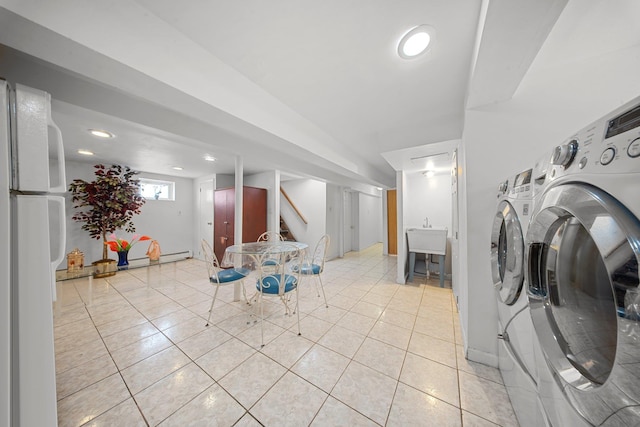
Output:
x=502 y=188
x=563 y=155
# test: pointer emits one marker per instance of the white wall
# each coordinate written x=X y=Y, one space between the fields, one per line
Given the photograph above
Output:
x=171 y=223
x=269 y=180
x=369 y=220
x=553 y=101
x=428 y=197
x=310 y=197
x=225 y=181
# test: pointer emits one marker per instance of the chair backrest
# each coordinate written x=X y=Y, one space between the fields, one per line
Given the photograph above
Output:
x=270 y=236
x=213 y=267
x=290 y=266
x=320 y=252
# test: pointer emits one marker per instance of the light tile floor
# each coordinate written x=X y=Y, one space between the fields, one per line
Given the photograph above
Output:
x=381 y=354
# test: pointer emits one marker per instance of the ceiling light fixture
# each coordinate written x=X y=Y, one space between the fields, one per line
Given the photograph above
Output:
x=416 y=41
x=101 y=133
x=178 y=168
x=85 y=152
x=210 y=158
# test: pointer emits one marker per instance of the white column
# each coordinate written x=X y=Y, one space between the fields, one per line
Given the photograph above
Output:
x=275 y=218
x=237 y=232
x=402 y=252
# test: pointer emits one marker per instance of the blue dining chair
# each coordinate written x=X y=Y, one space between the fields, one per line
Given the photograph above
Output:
x=219 y=276
x=314 y=265
x=281 y=283
x=271 y=236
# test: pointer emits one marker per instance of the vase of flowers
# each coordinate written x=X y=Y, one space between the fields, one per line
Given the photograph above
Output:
x=122 y=246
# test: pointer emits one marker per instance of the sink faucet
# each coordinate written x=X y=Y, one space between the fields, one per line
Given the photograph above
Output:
x=426 y=223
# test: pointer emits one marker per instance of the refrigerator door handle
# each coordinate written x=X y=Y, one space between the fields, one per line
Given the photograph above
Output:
x=61 y=186
x=62 y=241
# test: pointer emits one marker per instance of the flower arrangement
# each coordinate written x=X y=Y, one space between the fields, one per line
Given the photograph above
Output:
x=107 y=203
x=121 y=245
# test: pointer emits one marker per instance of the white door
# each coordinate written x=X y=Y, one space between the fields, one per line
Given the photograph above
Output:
x=355 y=221
x=205 y=215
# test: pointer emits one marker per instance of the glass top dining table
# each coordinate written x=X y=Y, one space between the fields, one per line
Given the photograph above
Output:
x=235 y=255
x=244 y=257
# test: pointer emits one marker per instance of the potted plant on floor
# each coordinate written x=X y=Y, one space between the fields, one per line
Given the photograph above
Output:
x=106 y=204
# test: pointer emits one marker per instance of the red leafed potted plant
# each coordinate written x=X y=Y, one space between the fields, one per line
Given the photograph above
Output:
x=107 y=203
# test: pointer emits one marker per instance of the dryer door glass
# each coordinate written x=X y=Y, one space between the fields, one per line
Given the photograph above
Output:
x=583 y=259
x=582 y=309
x=507 y=254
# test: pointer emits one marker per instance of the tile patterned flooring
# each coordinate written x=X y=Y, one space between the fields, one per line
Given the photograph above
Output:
x=382 y=354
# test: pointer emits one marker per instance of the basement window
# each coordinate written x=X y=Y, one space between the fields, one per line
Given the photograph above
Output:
x=153 y=189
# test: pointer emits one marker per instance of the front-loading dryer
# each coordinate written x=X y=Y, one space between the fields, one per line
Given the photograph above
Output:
x=583 y=250
x=515 y=329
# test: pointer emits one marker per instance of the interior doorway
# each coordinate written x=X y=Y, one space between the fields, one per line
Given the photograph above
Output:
x=205 y=215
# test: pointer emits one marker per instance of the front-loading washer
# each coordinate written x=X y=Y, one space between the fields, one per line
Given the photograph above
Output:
x=515 y=329
x=583 y=250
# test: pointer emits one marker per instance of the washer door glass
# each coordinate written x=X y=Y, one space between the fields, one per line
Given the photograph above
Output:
x=583 y=261
x=507 y=254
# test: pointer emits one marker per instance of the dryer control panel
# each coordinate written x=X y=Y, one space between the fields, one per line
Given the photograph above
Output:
x=521 y=187
x=610 y=145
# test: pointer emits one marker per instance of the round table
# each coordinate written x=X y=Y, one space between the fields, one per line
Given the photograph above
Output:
x=246 y=256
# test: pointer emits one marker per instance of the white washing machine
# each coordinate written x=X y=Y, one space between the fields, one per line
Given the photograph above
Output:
x=583 y=250
x=515 y=329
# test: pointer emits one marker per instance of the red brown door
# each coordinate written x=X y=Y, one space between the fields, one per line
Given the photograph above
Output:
x=254 y=215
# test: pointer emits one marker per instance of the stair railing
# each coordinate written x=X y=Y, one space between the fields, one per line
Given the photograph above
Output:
x=295 y=208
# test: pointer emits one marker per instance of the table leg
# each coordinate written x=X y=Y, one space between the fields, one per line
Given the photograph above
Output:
x=237 y=291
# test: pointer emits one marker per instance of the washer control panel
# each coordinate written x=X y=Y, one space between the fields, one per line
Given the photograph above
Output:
x=610 y=145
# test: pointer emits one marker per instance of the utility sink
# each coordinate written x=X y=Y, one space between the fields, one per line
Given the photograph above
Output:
x=428 y=240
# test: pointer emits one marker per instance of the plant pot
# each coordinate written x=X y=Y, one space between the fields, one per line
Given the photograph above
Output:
x=104 y=268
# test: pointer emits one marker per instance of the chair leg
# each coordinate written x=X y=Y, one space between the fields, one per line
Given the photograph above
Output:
x=298 y=311
x=323 y=294
x=261 y=320
x=244 y=292
x=215 y=294
x=315 y=283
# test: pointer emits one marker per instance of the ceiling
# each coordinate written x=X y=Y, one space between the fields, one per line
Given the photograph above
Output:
x=338 y=91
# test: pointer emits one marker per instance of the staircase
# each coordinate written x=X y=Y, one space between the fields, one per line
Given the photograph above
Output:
x=285 y=232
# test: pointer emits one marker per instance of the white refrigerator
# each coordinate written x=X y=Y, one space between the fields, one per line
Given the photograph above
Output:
x=31 y=173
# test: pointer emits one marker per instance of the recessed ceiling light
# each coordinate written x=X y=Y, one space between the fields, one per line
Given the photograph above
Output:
x=101 y=133
x=210 y=158
x=85 y=152
x=178 y=168
x=416 y=42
